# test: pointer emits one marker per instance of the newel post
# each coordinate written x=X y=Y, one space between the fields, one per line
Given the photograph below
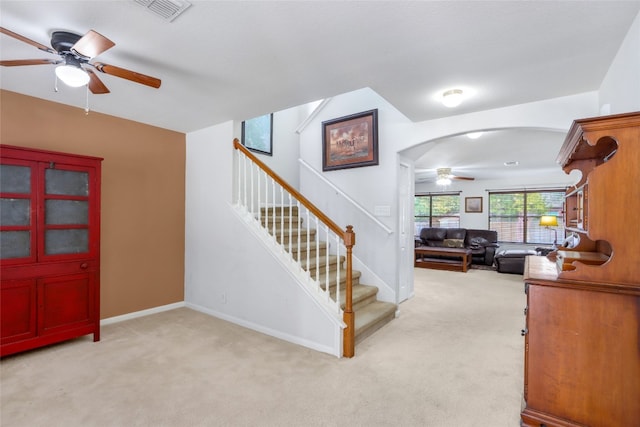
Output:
x=348 y=341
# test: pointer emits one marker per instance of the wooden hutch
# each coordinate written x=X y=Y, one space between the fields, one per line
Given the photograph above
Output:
x=582 y=335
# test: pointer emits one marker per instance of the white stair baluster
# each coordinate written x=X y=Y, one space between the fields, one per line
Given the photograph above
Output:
x=338 y=272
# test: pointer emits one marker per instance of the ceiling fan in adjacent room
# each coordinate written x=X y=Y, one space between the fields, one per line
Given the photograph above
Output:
x=73 y=65
x=443 y=176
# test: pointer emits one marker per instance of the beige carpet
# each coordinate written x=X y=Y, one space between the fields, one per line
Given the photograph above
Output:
x=454 y=358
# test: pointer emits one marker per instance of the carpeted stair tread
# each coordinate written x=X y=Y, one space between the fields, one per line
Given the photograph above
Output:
x=355 y=278
x=372 y=317
x=322 y=265
x=361 y=295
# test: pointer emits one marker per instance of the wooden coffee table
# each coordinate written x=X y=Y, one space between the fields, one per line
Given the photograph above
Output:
x=423 y=259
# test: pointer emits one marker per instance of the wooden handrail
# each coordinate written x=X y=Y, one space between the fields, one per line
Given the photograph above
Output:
x=317 y=212
x=348 y=236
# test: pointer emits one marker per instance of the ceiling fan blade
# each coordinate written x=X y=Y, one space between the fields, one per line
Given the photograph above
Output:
x=18 y=62
x=463 y=178
x=92 y=44
x=95 y=84
x=26 y=40
x=126 y=74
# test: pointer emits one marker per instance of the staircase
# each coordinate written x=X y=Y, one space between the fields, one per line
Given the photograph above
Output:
x=285 y=225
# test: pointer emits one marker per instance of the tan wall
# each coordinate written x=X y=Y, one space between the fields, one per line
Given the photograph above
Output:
x=143 y=184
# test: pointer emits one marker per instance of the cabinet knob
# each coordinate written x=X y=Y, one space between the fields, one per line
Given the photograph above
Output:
x=524 y=332
x=84 y=265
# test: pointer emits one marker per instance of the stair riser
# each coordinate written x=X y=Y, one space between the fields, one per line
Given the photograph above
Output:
x=322 y=268
x=280 y=211
x=284 y=240
x=371 y=328
x=303 y=254
x=281 y=224
x=332 y=282
x=360 y=304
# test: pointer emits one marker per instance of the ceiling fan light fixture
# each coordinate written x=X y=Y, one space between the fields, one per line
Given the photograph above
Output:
x=72 y=76
x=444 y=176
x=452 y=98
x=443 y=181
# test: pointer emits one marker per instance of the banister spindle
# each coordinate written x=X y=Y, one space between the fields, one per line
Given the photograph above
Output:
x=282 y=242
x=308 y=242
x=299 y=228
x=327 y=256
x=273 y=210
x=290 y=219
x=252 y=198
x=239 y=156
x=338 y=244
x=317 y=224
x=259 y=191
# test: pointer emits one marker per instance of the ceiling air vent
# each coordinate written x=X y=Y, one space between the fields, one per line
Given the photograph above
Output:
x=165 y=9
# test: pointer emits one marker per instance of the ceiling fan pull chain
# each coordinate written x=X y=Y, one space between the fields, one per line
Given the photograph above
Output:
x=86 y=107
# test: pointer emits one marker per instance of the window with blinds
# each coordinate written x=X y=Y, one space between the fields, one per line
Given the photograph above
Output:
x=515 y=215
x=436 y=210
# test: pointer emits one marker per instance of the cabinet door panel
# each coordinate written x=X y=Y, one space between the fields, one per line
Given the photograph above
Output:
x=15 y=244
x=65 y=301
x=18 y=303
x=59 y=212
x=66 y=182
x=64 y=242
x=15 y=179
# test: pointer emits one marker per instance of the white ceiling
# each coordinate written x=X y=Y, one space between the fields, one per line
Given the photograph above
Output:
x=486 y=157
x=233 y=60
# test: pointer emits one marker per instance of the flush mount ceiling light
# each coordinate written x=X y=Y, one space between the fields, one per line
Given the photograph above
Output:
x=452 y=98
x=474 y=135
x=444 y=176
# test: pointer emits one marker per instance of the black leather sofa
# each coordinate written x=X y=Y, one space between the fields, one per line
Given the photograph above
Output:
x=482 y=243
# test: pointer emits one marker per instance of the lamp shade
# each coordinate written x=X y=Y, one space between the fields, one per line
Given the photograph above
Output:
x=549 y=221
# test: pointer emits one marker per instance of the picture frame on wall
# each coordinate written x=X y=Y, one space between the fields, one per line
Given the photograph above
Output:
x=257 y=134
x=473 y=204
x=350 y=141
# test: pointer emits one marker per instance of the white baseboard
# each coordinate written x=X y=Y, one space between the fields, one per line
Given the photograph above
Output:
x=142 y=313
x=271 y=332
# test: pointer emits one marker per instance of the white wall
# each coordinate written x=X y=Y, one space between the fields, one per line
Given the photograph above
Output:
x=228 y=272
x=620 y=89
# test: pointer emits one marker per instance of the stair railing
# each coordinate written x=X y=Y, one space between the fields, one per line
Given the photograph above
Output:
x=277 y=207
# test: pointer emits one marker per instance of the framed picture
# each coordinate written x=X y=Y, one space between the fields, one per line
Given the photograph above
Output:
x=350 y=141
x=257 y=134
x=473 y=204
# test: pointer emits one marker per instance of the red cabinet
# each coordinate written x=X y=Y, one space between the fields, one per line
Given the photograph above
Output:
x=49 y=247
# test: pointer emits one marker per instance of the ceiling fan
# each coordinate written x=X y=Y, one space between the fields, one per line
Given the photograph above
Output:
x=445 y=173
x=75 y=52
x=444 y=176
